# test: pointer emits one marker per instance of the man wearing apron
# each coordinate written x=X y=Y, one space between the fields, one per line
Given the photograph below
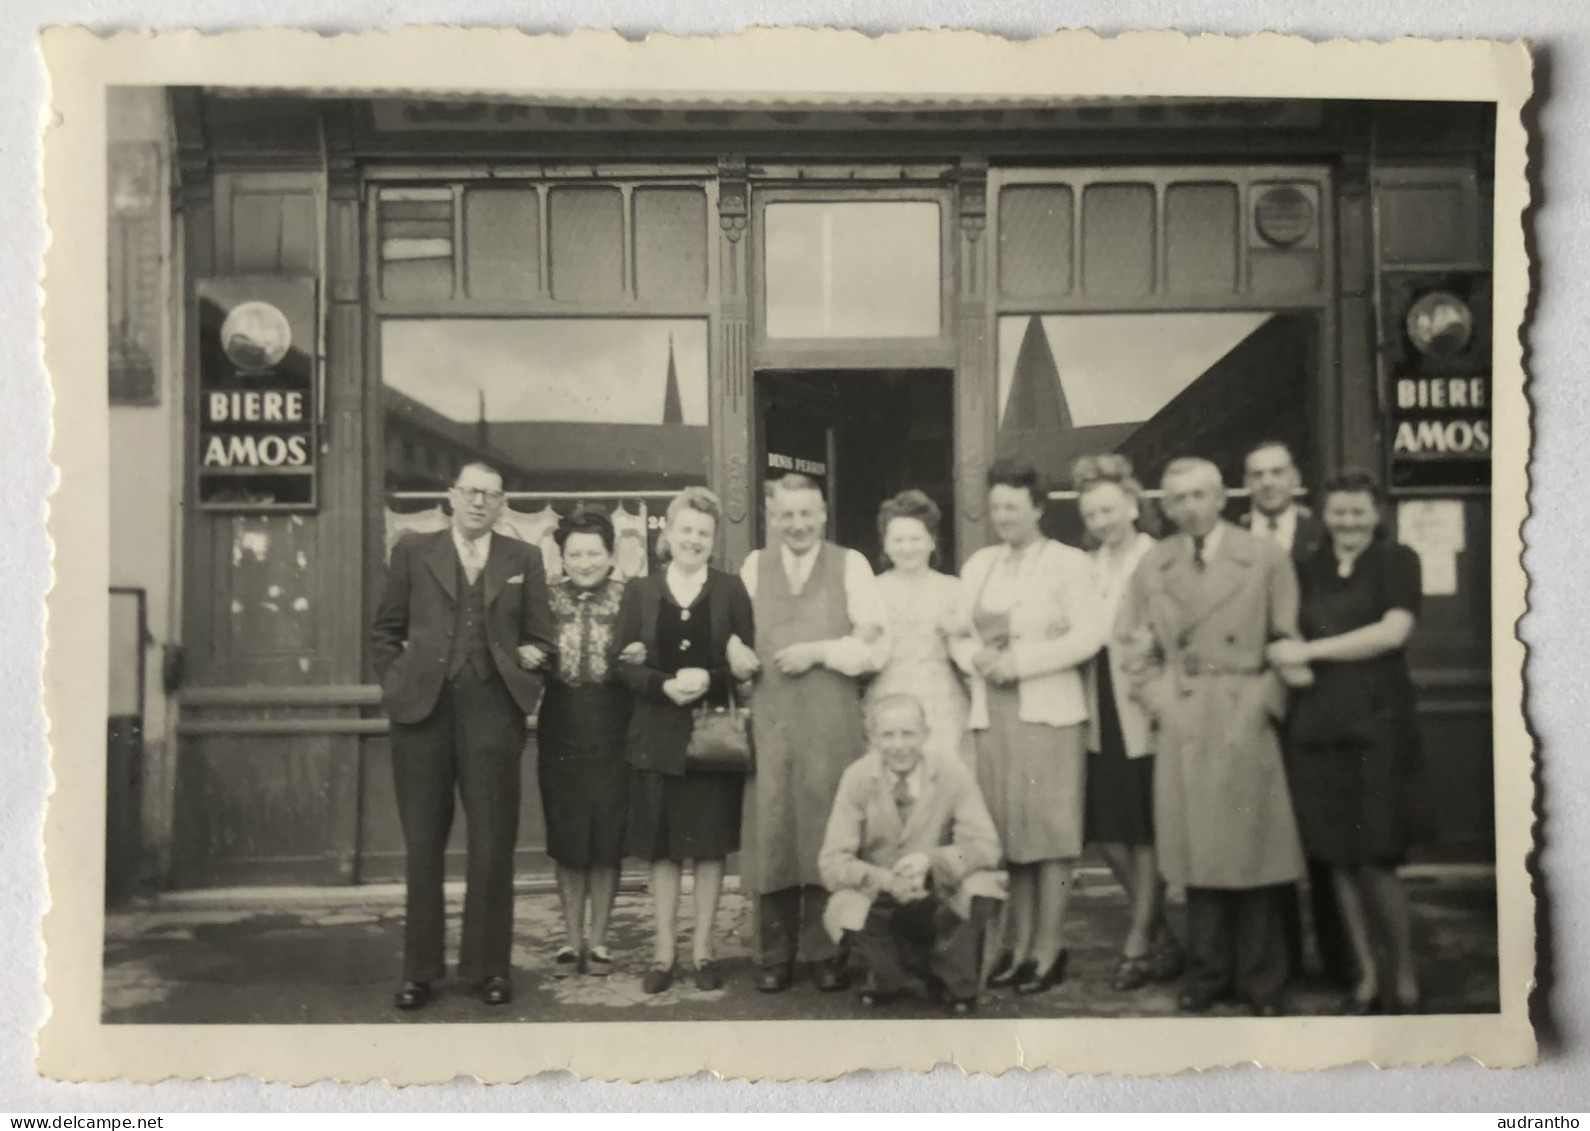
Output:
x=819 y=626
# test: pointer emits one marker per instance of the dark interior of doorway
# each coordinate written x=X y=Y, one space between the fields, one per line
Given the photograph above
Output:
x=864 y=435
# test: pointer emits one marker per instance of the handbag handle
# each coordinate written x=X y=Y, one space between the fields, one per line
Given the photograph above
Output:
x=701 y=709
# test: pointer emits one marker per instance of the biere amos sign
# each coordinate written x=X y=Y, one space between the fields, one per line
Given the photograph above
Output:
x=257 y=403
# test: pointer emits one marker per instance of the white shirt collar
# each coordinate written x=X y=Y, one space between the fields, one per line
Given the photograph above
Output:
x=1212 y=541
x=913 y=777
x=798 y=567
x=467 y=547
x=1285 y=525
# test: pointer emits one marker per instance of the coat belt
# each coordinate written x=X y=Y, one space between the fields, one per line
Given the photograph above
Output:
x=1192 y=664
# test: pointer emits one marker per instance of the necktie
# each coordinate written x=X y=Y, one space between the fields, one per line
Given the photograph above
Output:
x=902 y=797
x=1274 y=522
x=472 y=558
x=1198 y=550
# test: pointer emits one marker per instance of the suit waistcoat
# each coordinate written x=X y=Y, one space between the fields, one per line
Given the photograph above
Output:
x=470 y=645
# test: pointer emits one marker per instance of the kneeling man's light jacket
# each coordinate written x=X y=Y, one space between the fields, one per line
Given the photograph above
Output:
x=949 y=823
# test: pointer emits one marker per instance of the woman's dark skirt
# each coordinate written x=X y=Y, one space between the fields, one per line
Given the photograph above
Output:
x=694 y=816
x=1120 y=790
x=1354 y=801
x=583 y=777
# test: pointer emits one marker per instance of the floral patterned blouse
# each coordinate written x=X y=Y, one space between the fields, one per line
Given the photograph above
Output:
x=585 y=620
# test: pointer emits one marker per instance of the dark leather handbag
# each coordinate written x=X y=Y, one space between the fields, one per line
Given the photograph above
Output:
x=720 y=739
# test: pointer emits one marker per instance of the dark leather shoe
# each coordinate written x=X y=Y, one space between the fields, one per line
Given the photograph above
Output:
x=773 y=980
x=830 y=976
x=1355 y=1006
x=709 y=975
x=413 y=995
x=657 y=979
x=1037 y=983
x=872 y=998
x=1198 y=1000
x=496 y=990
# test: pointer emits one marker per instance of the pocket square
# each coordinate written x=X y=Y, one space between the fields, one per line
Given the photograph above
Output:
x=516 y=579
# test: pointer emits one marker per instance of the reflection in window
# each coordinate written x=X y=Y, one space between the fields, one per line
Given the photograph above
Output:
x=556 y=404
x=609 y=411
x=852 y=269
x=1153 y=387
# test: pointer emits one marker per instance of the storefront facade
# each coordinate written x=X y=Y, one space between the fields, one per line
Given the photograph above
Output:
x=612 y=302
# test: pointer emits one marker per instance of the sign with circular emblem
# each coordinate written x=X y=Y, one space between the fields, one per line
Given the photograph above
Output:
x=1440 y=323
x=256 y=336
x=1284 y=216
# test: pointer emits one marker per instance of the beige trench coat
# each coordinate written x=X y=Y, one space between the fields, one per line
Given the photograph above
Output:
x=1222 y=812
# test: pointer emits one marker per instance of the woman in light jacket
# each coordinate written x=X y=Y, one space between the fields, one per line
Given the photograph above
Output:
x=1120 y=787
x=1029 y=620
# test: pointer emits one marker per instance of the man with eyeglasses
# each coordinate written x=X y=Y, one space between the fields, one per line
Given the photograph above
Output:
x=464 y=622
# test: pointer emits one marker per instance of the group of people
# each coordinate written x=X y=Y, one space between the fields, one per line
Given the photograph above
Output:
x=1222 y=711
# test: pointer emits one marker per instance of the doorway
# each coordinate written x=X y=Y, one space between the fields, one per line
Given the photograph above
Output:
x=863 y=435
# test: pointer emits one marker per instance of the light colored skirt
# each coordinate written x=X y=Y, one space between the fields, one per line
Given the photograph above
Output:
x=1032 y=776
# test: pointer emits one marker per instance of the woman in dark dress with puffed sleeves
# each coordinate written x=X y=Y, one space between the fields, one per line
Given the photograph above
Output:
x=693 y=625
x=1353 y=752
x=580 y=738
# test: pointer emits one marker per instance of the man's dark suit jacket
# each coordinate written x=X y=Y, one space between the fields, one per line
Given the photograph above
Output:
x=418 y=608
x=1305 y=540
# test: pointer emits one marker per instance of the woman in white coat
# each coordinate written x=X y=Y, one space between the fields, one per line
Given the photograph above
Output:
x=1029 y=620
x=1120 y=777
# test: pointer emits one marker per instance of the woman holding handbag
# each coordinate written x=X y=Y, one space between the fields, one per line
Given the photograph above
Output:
x=687 y=742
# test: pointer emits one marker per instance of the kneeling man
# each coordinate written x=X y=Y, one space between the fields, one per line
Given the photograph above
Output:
x=908 y=847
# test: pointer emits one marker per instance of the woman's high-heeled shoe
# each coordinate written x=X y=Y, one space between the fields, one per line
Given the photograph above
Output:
x=1004 y=971
x=1036 y=983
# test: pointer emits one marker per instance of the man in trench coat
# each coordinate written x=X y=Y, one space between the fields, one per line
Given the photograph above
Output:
x=1202 y=608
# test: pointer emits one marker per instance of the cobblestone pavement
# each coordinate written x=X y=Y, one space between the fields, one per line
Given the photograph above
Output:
x=309 y=956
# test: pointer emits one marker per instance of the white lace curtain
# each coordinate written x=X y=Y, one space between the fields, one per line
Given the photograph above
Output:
x=537 y=527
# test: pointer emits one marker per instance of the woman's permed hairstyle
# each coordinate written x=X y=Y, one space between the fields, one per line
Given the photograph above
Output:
x=1021 y=475
x=697 y=499
x=910 y=504
x=585 y=519
x=1353 y=481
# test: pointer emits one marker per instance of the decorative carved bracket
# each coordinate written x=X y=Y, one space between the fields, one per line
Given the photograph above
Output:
x=971 y=190
x=734 y=197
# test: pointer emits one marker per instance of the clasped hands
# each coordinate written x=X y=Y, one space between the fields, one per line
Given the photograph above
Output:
x=996 y=665
x=907 y=880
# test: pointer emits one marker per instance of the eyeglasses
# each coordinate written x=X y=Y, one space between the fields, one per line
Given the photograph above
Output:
x=479 y=495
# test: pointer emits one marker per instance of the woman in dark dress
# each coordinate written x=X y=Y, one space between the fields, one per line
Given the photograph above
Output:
x=1120 y=776
x=684 y=618
x=1353 y=749
x=580 y=737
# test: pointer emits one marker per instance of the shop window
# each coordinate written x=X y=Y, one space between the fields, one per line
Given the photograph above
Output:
x=1153 y=386
x=853 y=269
x=586 y=226
x=416 y=236
x=1035 y=237
x=613 y=411
x=670 y=243
x=502 y=242
x=1118 y=239
x=1201 y=236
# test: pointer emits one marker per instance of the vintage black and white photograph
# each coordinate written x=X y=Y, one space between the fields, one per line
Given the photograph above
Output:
x=614 y=559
